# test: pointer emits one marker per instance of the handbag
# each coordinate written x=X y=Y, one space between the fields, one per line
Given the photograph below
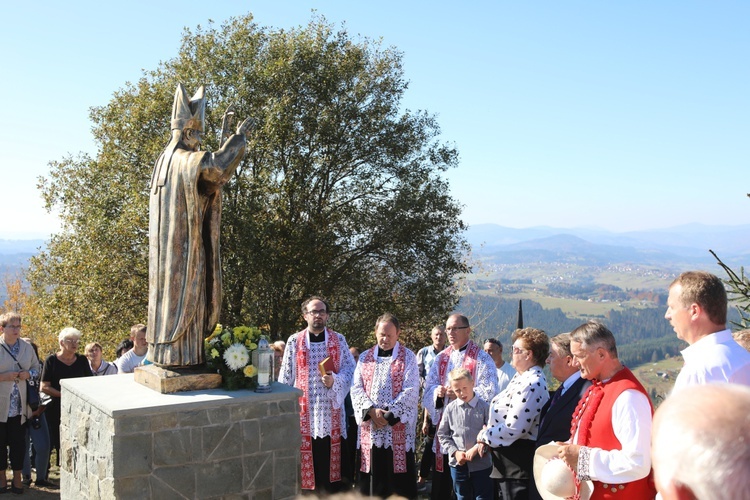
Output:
x=32 y=393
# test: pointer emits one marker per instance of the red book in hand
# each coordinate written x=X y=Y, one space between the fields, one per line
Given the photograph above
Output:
x=326 y=366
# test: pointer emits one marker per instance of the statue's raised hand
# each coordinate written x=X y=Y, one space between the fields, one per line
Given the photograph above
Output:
x=245 y=126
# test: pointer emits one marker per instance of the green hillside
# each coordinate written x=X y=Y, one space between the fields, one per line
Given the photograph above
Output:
x=658 y=378
x=643 y=335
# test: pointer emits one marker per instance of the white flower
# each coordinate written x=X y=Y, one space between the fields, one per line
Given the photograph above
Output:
x=236 y=357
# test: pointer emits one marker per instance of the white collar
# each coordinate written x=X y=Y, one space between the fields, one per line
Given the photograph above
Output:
x=308 y=333
x=571 y=380
x=395 y=350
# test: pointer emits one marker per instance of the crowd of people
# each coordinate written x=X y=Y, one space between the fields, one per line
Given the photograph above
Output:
x=490 y=429
x=30 y=395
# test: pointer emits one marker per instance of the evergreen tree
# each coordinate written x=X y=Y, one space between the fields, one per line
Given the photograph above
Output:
x=739 y=293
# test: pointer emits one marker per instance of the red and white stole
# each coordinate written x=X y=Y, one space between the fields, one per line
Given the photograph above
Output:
x=301 y=382
x=398 y=431
x=470 y=363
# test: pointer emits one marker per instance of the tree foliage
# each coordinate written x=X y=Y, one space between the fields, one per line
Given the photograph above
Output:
x=340 y=192
x=18 y=299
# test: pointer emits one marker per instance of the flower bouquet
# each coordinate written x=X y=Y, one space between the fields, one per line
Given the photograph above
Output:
x=229 y=352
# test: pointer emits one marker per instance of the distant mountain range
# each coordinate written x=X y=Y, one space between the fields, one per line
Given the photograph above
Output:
x=676 y=246
x=15 y=254
x=10 y=247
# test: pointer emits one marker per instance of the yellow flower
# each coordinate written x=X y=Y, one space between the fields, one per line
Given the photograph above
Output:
x=214 y=353
x=254 y=333
x=251 y=345
x=250 y=371
x=226 y=339
x=240 y=333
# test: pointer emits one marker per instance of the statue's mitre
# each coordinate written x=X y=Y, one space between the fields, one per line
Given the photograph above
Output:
x=188 y=113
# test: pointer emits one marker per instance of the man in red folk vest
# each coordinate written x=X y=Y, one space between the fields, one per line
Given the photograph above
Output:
x=385 y=394
x=322 y=415
x=611 y=427
x=462 y=352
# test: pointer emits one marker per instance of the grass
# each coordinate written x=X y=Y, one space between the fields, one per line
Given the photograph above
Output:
x=649 y=375
x=570 y=307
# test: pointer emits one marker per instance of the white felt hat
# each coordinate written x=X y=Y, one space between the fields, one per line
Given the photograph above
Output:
x=554 y=479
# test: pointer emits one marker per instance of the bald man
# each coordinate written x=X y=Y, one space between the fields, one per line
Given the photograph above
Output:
x=700 y=454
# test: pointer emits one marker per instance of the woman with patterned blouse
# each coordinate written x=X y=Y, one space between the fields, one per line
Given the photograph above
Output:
x=18 y=363
x=514 y=414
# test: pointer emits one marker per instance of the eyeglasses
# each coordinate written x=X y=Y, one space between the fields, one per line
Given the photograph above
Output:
x=317 y=312
x=72 y=342
x=519 y=350
x=455 y=328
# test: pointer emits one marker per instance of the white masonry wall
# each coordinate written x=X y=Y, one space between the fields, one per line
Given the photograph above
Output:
x=122 y=440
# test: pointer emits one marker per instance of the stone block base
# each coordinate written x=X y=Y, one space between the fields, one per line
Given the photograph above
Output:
x=120 y=439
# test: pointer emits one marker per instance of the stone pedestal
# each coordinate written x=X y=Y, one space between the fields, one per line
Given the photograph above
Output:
x=120 y=439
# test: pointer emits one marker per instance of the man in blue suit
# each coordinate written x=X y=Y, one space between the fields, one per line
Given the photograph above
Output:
x=558 y=412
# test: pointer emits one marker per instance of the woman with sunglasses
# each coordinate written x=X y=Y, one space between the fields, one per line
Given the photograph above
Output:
x=515 y=412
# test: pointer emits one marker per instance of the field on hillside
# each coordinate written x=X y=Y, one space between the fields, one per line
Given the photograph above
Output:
x=534 y=282
x=658 y=378
x=622 y=275
x=570 y=307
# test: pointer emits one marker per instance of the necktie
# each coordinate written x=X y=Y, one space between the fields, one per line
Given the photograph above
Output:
x=556 y=396
x=552 y=402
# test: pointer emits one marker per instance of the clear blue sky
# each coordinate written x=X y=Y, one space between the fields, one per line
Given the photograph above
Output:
x=619 y=115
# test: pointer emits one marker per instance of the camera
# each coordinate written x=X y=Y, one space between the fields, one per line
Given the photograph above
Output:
x=33 y=395
x=36 y=423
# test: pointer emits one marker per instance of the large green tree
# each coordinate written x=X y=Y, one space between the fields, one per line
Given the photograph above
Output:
x=340 y=192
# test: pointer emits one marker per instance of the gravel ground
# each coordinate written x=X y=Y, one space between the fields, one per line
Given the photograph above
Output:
x=35 y=493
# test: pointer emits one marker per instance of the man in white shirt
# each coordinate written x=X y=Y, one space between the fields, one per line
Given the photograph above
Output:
x=697 y=310
x=611 y=425
x=554 y=423
x=134 y=357
x=505 y=371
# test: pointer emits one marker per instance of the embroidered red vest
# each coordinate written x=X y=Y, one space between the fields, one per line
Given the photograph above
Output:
x=600 y=434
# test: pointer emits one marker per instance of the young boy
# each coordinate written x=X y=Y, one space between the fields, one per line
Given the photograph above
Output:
x=462 y=420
